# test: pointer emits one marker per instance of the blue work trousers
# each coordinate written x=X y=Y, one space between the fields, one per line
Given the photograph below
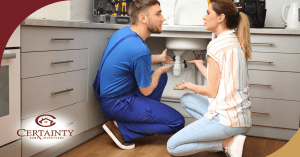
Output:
x=140 y=116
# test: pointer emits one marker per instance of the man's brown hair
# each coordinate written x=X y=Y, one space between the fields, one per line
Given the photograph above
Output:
x=138 y=6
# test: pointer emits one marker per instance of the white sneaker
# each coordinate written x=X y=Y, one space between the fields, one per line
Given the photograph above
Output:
x=236 y=148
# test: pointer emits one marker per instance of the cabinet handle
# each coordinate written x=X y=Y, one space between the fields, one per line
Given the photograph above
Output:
x=8 y=55
x=70 y=123
x=260 y=84
x=63 y=91
x=260 y=62
x=261 y=112
x=62 y=38
x=272 y=44
x=67 y=61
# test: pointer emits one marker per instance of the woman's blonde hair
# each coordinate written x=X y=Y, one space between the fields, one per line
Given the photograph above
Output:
x=243 y=34
x=237 y=20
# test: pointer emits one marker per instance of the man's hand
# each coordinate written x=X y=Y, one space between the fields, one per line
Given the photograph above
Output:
x=155 y=79
x=165 y=58
x=163 y=69
x=185 y=85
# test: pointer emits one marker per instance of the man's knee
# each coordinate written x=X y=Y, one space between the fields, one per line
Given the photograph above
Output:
x=179 y=123
x=182 y=122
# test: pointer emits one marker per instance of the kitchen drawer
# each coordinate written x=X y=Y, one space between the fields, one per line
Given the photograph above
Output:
x=52 y=38
x=73 y=117
x=11 y=150
x=282 y=43
x=284 y=85
x=273 y=133
x=51 y=62
x=38 y=94
x=275 y=113
x=275 y=61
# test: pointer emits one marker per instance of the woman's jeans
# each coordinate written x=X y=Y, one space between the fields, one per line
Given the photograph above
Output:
x=203 y=134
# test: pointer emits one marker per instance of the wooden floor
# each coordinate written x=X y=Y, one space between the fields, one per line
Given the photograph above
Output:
x=155 y=146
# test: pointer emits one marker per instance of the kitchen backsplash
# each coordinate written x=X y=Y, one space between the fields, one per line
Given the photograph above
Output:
x=83 y=10
x=58 y=10
x=274 y=11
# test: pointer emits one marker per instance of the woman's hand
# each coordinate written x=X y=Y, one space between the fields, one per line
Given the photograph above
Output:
x=201 y=62
x=185 y=85
x=200 y=65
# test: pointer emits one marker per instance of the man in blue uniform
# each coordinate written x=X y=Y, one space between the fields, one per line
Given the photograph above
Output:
x=128 y=91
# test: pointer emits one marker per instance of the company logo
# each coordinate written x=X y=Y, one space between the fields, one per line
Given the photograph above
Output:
x=45 y=120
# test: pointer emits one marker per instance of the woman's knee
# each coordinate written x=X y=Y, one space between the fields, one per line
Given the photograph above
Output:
x=185 y=98
x=170 y=146
x=170 y=150
x=173 y=144
x=193 y=98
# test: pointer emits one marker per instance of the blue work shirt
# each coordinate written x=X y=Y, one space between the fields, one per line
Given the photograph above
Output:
x=127 y=66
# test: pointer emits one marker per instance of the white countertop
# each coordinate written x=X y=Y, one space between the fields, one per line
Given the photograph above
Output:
x=166 y=28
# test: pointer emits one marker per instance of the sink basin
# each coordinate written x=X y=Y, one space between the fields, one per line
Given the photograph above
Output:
x=186 y=43
x=180 y=45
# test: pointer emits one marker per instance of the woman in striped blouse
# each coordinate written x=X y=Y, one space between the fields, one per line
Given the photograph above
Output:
x=222 y=106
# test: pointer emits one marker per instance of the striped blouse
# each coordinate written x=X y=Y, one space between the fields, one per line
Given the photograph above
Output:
x=232 y=102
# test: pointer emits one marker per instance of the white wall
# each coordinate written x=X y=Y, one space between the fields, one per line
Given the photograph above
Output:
x=82 y=10
x=59 y=10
